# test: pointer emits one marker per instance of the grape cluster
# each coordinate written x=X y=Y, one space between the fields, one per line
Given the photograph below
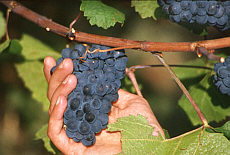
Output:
x=98 y=76
x=222 y=77
x=211 y=12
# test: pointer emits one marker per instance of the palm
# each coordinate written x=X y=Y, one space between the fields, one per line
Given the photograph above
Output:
x=106 y=142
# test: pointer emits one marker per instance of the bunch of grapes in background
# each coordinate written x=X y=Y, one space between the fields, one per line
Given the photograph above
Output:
x=98 y=75
x=213 y=12
x=222 y=77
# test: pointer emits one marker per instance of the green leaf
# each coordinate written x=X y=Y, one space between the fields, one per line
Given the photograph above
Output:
x=42 y=134
x=4 y=45
x=2 y=25
x=15 y=47
x=31 y=73
x=225 y=129
x=192 y=69
x=126 y=84
x=212 y=104
x=137 y=139
x=196 y=28
x=100 y=14
x=34 y=49
x=145 y=8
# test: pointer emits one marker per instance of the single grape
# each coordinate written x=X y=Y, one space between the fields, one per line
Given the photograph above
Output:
x=84 y=128
x=66 y=53
x=74 y=103
x=96 y=126
x=79 y=114
x=72 y=125
x=90 y=117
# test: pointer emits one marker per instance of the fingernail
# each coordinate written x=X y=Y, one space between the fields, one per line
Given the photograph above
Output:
x=62 y=64
x=58 y=101
x=66 y=80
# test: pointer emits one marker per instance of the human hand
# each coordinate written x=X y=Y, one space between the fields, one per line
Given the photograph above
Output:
x=60 y=84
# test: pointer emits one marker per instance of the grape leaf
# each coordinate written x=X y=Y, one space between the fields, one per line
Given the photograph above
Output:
x=195 y=28
x=137 y=139
x=4 y=45
x=212 y=104
x=42 y=134
x=126 y=84
x=145 y=8
x=100 y=14
x=34 y=49
x=31 y=73
x=225 y=129
x=2 y=25
x=192 y=69
x=15 y=47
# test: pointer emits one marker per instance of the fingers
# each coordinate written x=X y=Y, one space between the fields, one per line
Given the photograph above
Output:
x=56 y=116
x=55 y=130
x=49 y=62
x=60 y=74
x=63 y=90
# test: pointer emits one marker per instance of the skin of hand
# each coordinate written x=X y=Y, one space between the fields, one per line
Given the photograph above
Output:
x=60 y=84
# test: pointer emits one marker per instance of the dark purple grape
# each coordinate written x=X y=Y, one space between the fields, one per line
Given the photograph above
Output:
x=59 y=60
x=86 y=108
x=66 y=53
x=90 y=117
x=104 y=118
x=74 y=103
x=72 y=125
x=69 y=133
x=96 y=126
x=84 y=128
x=78 y=135
x=96 y=103
x=88 y=143
x=69 y=113
x=79 y=114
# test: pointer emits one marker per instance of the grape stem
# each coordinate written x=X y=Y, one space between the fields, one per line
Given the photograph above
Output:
x=148 y=46
x=7 y=20
x=130 y=73
x=182 y=87
x=185 y=66
x=74 y=21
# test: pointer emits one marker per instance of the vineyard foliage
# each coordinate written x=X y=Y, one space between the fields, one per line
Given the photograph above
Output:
x=136 y=133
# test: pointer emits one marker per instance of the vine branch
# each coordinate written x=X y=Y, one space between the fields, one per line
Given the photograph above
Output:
x=148 y=46
x=182 y=87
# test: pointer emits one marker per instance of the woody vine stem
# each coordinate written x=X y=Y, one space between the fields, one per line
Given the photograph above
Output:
x=205 y=47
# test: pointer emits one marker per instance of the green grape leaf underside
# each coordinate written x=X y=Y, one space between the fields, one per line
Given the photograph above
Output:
x=225 y=129
x=34 y=49
x=4 y=45
x=101 y=14
x=212 y=104
x=137 y=139
x=42 y=134
x=31 y=73
x=145 y=8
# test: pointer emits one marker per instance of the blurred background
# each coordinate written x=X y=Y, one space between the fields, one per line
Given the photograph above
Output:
x=21 y=116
